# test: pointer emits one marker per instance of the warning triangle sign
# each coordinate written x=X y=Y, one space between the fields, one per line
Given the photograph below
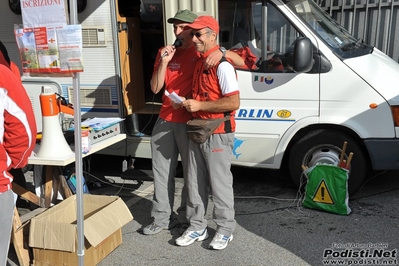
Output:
x=322 y=194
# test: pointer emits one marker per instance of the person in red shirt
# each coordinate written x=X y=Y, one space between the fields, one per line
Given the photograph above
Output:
x=18 y=174
x=173 y=69
x=18 y=135
x=215 y=94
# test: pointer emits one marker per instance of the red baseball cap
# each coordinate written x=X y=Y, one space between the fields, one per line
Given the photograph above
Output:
x=202 y=22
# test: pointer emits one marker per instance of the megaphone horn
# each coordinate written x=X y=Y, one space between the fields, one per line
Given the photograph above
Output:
x=53 y=143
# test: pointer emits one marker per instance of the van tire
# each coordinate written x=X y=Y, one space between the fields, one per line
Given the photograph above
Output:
x=325 y=146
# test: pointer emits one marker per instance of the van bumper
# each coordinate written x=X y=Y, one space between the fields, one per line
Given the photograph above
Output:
x=384 y=153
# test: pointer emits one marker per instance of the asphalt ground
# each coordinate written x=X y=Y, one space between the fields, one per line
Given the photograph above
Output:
x=272 y=226
x=247 y=247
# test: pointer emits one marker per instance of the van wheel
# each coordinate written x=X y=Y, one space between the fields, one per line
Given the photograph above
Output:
x=325 y=146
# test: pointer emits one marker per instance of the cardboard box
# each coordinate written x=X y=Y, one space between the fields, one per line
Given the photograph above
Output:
x=53 y=233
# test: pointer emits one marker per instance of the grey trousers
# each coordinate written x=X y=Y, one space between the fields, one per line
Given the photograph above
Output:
x=168 y=140
x=209 y=168
x=7 y=203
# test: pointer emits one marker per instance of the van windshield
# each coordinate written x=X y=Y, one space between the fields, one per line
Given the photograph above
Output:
x=329 y=30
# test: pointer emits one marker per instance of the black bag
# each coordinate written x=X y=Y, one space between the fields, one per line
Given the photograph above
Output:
x=199 y=130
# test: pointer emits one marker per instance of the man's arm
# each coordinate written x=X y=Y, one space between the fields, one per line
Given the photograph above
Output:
x=235 y=58
x=158 y=77
x=215 y=57
x=161 y=65
x=224 y=104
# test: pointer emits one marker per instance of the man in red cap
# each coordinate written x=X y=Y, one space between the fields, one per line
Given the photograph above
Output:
x=174 y=70
x=215 y=94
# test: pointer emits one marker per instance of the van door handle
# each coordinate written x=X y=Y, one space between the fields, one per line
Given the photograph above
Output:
x=122 y=26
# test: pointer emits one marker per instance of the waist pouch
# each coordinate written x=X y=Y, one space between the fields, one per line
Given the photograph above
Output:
x=199 y=130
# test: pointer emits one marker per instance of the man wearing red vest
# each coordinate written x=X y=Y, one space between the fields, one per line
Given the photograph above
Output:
x=215 y=94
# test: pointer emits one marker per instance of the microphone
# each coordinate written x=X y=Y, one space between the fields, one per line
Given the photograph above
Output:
x=176 y=44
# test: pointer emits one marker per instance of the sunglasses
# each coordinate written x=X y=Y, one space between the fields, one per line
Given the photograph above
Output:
x=197 y=34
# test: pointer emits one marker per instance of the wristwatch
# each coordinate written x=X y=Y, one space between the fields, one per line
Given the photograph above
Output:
x=223 y=50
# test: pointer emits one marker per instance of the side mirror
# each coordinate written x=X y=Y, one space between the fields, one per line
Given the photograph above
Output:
x=303 y=55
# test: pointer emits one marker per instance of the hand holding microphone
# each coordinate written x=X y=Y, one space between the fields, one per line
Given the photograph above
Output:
x=178 y=42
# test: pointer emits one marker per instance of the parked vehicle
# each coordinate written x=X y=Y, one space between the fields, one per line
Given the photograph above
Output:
x=308 y=87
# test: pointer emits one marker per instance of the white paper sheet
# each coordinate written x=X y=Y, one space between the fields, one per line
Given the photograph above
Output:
x=174 y=97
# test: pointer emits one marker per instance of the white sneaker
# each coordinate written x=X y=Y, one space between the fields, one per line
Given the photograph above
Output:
x=220 y=241
x=189 y=237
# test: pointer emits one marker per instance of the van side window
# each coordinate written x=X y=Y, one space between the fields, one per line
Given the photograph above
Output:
x=241 y=31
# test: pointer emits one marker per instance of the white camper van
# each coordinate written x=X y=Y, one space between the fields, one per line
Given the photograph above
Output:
x=307 y=88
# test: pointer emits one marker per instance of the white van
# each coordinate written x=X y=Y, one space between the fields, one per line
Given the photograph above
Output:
x=317 y=88
x=308 y=87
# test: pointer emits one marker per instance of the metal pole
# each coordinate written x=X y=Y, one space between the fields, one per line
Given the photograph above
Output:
x=78 y=148
x=265 y=37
